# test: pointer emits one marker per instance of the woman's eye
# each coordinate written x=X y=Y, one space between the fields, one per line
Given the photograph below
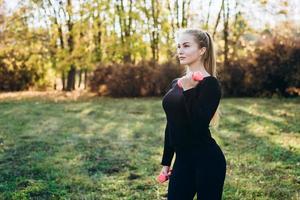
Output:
x=183 y=46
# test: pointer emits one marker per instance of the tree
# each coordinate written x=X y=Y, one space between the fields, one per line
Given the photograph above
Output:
x=125 y=18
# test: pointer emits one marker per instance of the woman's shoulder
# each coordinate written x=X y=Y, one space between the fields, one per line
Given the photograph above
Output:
x=211 y=80
x=210 y=83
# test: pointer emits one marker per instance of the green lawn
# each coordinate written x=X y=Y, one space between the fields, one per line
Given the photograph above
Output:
x=103 y=148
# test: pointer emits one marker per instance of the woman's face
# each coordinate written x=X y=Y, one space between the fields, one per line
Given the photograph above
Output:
x=187 y=49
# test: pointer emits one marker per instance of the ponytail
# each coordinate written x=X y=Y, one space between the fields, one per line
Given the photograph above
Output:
x=210 y=57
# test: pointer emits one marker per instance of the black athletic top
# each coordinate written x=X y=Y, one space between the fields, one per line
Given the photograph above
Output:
x=188 y=116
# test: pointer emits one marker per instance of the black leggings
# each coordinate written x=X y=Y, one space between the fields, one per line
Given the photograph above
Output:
x=200 y=171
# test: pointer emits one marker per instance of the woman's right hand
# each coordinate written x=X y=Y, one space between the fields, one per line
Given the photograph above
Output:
x=164 y=174
x=166 y=170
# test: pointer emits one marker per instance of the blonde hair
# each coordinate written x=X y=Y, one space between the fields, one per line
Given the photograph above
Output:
x=204 y=39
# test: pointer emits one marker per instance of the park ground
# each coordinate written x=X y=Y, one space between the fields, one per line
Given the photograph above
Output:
x=57 y=145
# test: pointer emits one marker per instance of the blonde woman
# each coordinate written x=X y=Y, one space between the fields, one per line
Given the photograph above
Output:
x=190 y=106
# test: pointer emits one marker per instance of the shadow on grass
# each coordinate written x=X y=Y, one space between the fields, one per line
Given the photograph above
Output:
x=262 y=146
x=272 y=165
x=43 y=161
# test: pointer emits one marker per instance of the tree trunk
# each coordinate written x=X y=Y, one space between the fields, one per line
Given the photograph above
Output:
x=125 y=22
x=63 y=80
x=226 y=33
x=85 y=78
x=79 y=81
x=71 y=78
x=208 y=14
x=72 y=71
x=218 y=19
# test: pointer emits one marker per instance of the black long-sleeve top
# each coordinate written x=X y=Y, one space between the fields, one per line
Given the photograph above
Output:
x=188 y=114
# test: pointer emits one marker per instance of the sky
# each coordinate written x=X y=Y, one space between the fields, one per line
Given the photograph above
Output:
x=256 y=15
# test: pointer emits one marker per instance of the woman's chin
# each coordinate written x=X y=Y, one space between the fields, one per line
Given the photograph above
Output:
x=182 y=62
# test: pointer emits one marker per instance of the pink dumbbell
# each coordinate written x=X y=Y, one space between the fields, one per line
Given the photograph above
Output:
x=162 y=178
x=196 y=76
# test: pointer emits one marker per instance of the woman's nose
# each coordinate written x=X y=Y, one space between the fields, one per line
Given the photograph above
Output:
x=179 y=50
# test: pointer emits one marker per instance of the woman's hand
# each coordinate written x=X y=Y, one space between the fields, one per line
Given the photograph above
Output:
x=164 y=174
x=166 y=170
x=188 y=82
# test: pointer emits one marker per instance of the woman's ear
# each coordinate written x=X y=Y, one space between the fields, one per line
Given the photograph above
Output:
x=202 y=50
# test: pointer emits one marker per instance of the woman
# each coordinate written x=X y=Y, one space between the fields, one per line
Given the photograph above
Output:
x=200 y=165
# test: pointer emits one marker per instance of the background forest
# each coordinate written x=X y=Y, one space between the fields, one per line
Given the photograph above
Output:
x=89 y=44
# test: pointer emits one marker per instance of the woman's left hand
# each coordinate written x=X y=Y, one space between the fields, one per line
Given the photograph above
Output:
x=188 y=82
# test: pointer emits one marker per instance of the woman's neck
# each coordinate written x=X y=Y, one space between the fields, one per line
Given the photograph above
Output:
x=199 y=67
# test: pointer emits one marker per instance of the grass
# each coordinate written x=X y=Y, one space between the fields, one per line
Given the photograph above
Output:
x=104 y=148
